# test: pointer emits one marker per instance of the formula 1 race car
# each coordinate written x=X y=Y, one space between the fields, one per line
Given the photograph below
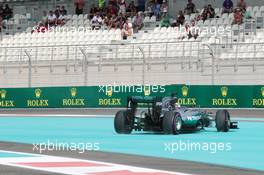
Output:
x=164 y=115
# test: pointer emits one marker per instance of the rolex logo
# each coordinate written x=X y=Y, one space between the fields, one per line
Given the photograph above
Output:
x=224 y=91
x=3 y=94
x=109 y=91
x=262 y=91
x=185 y=90
x=146 y=90
x=38 y=93
x=73 y=92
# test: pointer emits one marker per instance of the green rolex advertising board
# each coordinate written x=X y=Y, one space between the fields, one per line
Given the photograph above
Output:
x=204 y=96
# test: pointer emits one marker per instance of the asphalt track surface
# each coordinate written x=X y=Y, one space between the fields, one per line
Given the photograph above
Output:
x=126 y=159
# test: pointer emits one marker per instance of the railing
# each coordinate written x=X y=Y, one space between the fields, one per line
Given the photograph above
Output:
x=186 y=54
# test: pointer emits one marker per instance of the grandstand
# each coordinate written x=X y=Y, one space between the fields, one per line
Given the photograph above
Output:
x=153 y=55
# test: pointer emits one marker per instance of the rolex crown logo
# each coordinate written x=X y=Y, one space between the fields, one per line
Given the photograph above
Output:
x=262 y=91
x=146 y=90
x=73 y=92
x=38 y=93
x=3 y=94
x=109 y=91
x=224 y=91
x=185 y=90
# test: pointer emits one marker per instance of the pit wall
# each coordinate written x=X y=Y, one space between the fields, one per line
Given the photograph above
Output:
x=116 y=96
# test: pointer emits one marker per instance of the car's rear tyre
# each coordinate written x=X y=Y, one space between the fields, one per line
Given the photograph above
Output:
x=222 y=121
x=123 y=123
x=172 y=123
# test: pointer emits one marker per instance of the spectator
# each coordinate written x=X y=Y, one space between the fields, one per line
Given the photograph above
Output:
x=127 y=30
x=164 y=7
x=52 y=19
x=165 y=21
x=211 y=11
x=79 y=6
x=61 y=20
x=190 y=8
x=93 y=11
x=111 y=10
x=150 y=7
x=180 y=18
x=207 y=12
x=242 y=5
x=8 y=12
x=192 y=31
x=141 y=5
x=44 y=18
x=238 y=16
x=138 y=22
x=57 y=12
x=121 y=19
x=1 y=24
x=122 y=6
x=204 y=13
x=156 y=9
x=131 y=8
x=227 y=6
x=63 y=11
x=1 y=11
x=113 y=22
x=40 y=28
x=97 y=22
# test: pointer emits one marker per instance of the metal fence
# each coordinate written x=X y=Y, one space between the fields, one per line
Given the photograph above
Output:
x=188 y=53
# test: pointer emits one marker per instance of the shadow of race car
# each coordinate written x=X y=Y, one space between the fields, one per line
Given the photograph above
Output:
x=165 y=115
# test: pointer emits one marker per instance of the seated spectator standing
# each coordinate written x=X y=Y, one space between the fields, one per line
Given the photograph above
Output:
x=242 y=5
x=165 y=21
x=238 y=16
x=97 y=22
x=122 y=6
x=52 y=19
x=190 y=8
x=164 y=7
x=8 y=12
x=138 y=22
x=156 y=9
x=227 y=6
x=79 y=5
